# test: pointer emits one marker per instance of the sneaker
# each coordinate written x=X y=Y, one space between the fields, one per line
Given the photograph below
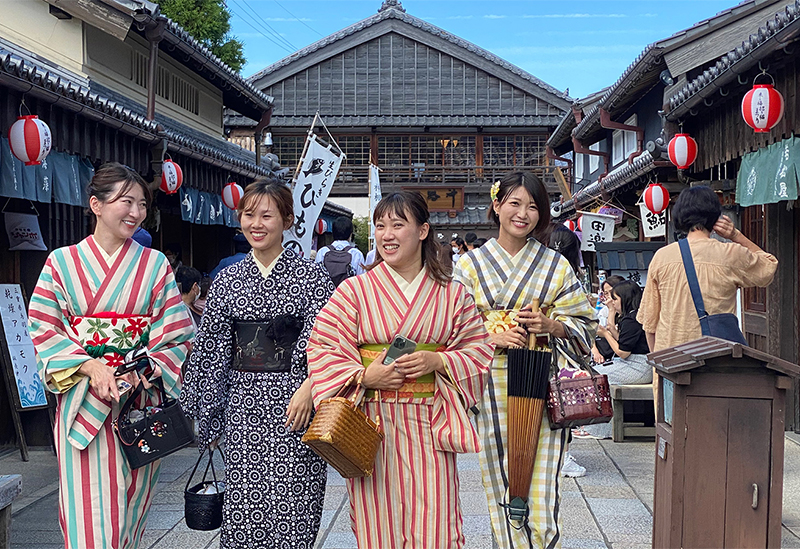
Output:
x=571 y=468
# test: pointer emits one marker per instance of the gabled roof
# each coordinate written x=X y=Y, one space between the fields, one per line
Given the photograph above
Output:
x=392 y=17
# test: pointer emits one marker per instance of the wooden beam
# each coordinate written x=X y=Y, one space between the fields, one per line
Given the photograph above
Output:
x=562 y=183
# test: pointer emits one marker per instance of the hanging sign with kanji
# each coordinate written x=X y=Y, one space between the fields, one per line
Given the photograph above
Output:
x=596 y=227
x=30 y=388
x=653 y=224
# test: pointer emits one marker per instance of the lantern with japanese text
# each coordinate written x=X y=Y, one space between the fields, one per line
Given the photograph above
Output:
x=30 y=139
x=570 y=224
x=321 y=226
x=656 y=198
x=231 y=194
x=682 y=150
x=762 y=107
x=171 y=177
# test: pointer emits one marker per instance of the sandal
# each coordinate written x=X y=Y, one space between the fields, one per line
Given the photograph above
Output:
x=582 y=433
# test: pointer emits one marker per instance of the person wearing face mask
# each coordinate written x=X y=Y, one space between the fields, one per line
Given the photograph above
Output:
x=188 y=279
x=422 y=398
x=247 y=379
x=507 y=274
x=95 y=302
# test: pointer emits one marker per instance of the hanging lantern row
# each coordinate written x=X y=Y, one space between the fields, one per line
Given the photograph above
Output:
x=762 y=107
x=231 y=195
x=682 y=150
x=171 y=177
x=656 y=198
x=30 y=139
x=570 y=224
x=321 y=226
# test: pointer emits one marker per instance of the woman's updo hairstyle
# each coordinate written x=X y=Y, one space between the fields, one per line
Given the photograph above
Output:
x=108 y=175
x=531 y=183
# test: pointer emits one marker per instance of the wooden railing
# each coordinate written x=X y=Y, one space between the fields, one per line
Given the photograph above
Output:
x=354 y=179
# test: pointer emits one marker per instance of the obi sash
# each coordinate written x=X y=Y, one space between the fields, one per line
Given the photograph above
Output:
x=422 y=387
x=106 y=337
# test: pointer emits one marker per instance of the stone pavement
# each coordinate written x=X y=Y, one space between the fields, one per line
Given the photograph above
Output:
x=611 y=507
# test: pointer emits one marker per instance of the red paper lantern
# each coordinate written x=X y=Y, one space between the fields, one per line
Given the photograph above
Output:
x=682 y=150
x=762 y=107
x=321 y=226
x=171 y=177
x=656 y=198
x=29 y=139
x=579 y=223
x=570 y=224
x=231 y=194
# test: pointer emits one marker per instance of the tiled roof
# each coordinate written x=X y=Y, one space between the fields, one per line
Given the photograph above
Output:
x=774 y=34
x=625 y=174
x=434 y=121
x=625 y=256
x=470 y=216
x=390 y=10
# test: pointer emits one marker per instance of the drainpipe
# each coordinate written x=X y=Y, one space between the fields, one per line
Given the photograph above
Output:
x=154 y=33
x=607 y=123
x=580 y=149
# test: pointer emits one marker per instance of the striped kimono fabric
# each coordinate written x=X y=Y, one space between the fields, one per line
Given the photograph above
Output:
x=411 y=501
x=84 y=307
x=497 y=283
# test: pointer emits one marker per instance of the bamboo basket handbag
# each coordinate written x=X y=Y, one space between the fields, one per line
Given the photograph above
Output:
x=343 y=435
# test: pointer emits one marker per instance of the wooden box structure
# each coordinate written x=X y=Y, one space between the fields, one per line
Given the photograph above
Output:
x=719 y=445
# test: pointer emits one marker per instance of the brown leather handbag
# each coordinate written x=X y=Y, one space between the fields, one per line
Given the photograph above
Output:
x=343 y=435
x=572 y=402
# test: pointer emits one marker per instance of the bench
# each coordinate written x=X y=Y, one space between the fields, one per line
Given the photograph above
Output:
x=621 y=393
x=10 y=488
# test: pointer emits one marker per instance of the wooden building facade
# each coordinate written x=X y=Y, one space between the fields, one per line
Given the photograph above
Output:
x=430 y=109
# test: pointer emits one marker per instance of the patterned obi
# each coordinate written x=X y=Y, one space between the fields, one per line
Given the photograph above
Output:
x=422 y=387
x=110 y=336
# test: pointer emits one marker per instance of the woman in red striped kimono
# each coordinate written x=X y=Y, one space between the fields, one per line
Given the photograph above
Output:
x=94 y=302
x=411 y=501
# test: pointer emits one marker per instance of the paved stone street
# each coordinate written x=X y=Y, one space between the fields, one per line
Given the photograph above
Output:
x=611 y=507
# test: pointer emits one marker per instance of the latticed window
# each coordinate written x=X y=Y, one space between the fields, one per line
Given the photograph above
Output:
x=529 y=150
x=289 y=148
x=356 y=148
x=426 y=150
x=498 y=150
x=393 y=150
x=459 y=151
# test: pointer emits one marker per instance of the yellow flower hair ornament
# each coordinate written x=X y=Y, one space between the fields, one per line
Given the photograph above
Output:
x=494 y=190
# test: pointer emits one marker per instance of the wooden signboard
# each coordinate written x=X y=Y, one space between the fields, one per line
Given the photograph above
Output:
x=25 y=388
x=441 y=199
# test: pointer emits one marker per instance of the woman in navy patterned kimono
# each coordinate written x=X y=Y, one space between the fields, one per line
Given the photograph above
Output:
x=247 y=378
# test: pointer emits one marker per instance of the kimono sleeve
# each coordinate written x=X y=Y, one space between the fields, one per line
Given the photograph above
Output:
x=321 y=287
x=170 y=329
x=464 y=273
x=333 y=356
x=58 y=356
x=207 y=380
x=571 y=307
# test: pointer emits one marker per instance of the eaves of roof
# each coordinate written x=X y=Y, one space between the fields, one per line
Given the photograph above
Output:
x=393 y=12
x=237 y=92
x=470 y=216
x=117 y=112
x=563 y=132
x=616 y=179
x=437 y=121
x=775 y=34
x=640 y=76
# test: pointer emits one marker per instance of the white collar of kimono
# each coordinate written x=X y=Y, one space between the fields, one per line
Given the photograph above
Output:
x=110 y=258
x=266 y=269
x=409 y=289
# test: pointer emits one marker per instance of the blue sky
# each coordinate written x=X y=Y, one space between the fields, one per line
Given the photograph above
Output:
x=580 y=45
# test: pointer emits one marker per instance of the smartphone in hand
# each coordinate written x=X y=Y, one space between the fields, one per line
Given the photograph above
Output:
x=123 y=386
x=400 y=346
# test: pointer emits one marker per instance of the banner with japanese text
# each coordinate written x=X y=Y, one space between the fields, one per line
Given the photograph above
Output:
x=374 y=197
x=596 y=228
x=653 y=224
x=312 y=185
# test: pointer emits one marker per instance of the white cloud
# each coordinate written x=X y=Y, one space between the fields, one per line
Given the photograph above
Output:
x=574 y=16
x=461 y=17
x=492 y=16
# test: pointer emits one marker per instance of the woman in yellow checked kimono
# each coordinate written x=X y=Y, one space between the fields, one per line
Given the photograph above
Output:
x=411 y=501
x=506 y=274
x=94 y=302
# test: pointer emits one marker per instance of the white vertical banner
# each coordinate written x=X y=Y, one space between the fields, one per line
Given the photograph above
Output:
x=374 y=198
x=596 y=227
x=312 y=185
x=652 y=224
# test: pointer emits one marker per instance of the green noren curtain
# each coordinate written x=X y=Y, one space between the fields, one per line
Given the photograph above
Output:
x=770 y=174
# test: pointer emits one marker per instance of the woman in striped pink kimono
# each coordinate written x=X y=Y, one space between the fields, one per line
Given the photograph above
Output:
x=411 y=501
x=94 y=302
